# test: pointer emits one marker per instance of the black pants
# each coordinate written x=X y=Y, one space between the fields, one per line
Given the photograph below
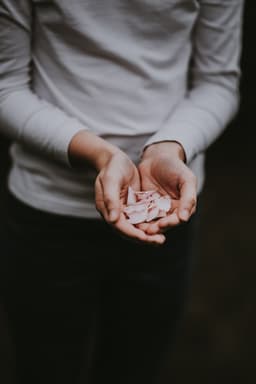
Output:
x=84 y=305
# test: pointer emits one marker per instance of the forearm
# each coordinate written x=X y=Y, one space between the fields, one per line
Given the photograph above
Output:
x=199 y=119
x=87 y=147
x=212 y=97
x=24 y=117
x=37 y=124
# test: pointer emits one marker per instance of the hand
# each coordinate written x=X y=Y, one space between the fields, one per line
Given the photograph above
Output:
x=111 y=188
x=162 y=168
x=116 y=172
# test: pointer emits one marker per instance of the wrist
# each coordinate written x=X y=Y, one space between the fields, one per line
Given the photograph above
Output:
x=86 y=147
x=165 y=148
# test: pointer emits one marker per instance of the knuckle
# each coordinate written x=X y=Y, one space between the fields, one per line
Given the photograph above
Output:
x=193 y=201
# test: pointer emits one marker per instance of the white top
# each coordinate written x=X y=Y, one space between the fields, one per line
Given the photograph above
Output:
x=134 y=72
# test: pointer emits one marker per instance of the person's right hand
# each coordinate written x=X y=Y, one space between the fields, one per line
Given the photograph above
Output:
x=116 y=172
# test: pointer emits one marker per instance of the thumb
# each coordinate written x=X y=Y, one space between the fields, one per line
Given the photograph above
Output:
x=111 y=197
x=188 y=198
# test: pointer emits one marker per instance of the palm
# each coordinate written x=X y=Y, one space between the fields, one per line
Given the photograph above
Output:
x=168 y=176
x=164 y=176
x=111 y=188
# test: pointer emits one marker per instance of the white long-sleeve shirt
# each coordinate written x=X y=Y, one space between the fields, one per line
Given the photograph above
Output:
x=132 y=71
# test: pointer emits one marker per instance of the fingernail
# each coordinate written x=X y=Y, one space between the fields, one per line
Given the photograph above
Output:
x=113 y=215
x=184 y=214
x=162 y=239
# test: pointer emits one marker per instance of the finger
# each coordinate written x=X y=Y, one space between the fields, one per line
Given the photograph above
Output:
x=137 y=234
x=99 y=202
x=111 y=198
x=100 y=206
x=187 y=199
x=193 y=210
x=143 y=226
x=150 y=228
x=170 y=220
x=163 y=224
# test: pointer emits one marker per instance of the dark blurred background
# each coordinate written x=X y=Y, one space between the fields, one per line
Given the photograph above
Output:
x=218 y=336
x=217 y=342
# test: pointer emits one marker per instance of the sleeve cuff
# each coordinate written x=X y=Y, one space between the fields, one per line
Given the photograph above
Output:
x=184 y=139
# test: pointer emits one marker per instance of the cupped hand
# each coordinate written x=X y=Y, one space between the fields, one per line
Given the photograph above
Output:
x=111 y=188
x=116 y=172
x=163 y=168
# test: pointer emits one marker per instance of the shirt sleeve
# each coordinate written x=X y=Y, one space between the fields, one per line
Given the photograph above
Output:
x=24 y=117
x=212 y=98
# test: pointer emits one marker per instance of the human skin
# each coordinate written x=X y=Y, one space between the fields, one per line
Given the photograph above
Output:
x=162 y=167
x=116 y=172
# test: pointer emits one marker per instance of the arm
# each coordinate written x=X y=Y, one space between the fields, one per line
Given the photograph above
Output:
x=116 y=172
x=26 y=118
x=213 y=95
x=211 y=102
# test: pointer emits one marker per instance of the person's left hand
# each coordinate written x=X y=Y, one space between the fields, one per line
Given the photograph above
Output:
x=116 y=174
x=162 y=168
